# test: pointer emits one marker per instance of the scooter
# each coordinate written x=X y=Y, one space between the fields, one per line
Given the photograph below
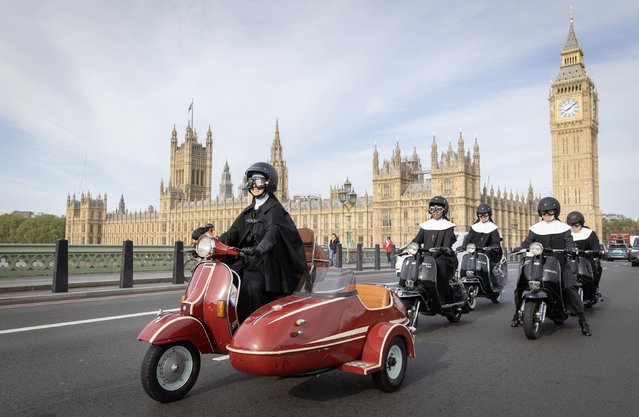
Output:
x=543 y=297
x=329 y=322
x=480 y=278
x=423 y=293
x=582 y=267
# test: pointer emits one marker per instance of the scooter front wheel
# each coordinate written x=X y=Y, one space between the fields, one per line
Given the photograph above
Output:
x=471 y=298
x=532 y=325
x=170 y=371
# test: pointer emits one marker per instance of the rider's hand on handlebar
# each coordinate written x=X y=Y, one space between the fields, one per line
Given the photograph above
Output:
x=517 y=249
x=461 y=249
x=248 y=251
x=447 y=251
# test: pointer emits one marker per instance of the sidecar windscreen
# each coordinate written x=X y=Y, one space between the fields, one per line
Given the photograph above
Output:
x=328 y=282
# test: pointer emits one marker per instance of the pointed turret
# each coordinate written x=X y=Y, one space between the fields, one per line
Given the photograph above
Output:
x=277 y=160
x=375 y=161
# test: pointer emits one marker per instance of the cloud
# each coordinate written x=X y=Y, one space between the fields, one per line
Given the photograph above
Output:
x=107 y=82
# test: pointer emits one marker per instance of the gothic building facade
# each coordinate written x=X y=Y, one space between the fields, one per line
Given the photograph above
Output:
x=401 y=188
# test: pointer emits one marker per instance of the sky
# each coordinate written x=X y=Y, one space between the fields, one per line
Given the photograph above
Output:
x=90 y=91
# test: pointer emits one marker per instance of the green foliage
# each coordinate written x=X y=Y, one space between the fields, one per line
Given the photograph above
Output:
x=39 y=229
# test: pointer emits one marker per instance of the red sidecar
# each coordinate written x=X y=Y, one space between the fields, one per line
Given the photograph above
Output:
x=330 y=322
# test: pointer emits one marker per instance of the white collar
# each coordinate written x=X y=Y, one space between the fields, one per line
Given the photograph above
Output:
x=549 y=228
x=487 y=227
x=259 y=202
x=441 y=224
x=582 y=234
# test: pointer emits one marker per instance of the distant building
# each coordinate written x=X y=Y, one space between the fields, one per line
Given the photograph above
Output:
x=401 y=186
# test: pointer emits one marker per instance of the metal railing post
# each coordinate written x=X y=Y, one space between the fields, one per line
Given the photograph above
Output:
x=377 y=258
x=393 y=258
x=126 y=267
x=178 y=262
x=360 y=258
x=61 y=267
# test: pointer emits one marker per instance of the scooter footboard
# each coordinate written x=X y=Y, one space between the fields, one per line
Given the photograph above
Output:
x=174 y=327
x=375 y=346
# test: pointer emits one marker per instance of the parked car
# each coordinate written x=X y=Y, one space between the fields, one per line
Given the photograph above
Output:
x=634 y=252
x=617 y=251
x=401 y=252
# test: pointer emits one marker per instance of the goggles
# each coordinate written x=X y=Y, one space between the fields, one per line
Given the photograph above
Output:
x=549 y=212
x=483 y=215
x=575 y=225
x=256 y=180
x=433 y=209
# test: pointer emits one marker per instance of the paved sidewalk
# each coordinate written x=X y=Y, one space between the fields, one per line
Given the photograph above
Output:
x=22 y=290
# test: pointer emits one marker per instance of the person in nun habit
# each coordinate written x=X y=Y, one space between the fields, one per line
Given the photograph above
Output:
x=273 y=260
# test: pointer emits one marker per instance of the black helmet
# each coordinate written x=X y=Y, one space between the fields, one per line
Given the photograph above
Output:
x=265 y=169
x=440 y=201
x=549 y=203
x=575 y=217
x=484 y=208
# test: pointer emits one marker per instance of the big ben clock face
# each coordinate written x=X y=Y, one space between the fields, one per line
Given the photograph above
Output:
x=568 y=108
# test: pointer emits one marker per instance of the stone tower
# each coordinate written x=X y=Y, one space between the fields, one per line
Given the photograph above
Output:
x=456 y=176
x=190 y=170
x=574 y=126
x=85 y=219
x=277 y=160
x=226 y=186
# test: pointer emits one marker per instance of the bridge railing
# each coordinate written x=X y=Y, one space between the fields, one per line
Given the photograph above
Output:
x=39 y=259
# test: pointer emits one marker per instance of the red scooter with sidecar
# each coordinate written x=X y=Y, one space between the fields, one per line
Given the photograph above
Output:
x=329 y=322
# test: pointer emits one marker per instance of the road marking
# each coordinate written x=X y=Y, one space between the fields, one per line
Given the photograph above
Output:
x=73 y=323
x=221 y=358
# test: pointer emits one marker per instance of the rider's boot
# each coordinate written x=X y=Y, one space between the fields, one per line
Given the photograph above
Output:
x=516 y=322
x=585 y=327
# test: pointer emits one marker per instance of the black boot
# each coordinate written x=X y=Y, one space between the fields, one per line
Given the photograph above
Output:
x=515 y=322
x=585 y=327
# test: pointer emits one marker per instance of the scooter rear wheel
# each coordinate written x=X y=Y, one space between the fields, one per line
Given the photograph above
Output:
x=170 y=371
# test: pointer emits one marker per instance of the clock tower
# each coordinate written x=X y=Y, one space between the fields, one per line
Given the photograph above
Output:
x=574 y=126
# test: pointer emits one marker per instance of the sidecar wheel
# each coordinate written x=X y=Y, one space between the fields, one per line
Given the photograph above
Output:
x=393 y=370
x=532 y=327
x=170 y=371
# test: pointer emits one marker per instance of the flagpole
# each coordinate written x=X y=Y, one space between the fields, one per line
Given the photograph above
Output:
x=192 y=114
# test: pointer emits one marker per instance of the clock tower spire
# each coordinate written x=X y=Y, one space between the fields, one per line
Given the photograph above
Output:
x=574 y=128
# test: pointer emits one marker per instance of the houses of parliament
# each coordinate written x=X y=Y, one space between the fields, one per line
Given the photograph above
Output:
x=402 y=185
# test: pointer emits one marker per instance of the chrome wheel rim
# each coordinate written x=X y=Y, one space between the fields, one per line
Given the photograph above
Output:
x=174 y=368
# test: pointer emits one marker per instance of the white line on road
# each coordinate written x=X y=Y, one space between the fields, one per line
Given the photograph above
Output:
x=73 y=323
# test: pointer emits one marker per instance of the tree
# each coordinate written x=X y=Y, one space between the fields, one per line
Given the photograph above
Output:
x=618 y=225
x=39 y=229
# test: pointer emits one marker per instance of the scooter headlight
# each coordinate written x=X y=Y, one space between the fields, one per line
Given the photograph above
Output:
x=471 y=248
x=205 y=246
x=534 y=285
x=412 y=248
x=536 y=248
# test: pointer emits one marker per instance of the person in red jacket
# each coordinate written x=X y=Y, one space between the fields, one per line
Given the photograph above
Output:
x=388 y=247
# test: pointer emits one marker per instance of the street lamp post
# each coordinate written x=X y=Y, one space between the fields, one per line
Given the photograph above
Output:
x=514 y=226
x=348 y=197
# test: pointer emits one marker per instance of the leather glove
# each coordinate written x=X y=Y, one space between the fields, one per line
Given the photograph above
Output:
x=461 y=249
x=248 y=251
x=446 y=251
x=517 y=249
